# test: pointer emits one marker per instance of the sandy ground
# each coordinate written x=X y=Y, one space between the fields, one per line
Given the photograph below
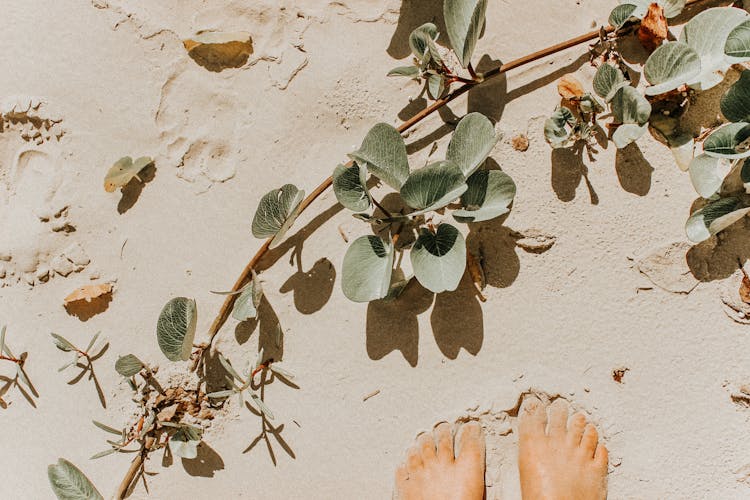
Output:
x=111 y=78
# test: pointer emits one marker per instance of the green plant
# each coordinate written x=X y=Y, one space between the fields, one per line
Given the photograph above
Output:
x=83 y=359
x=676 y=72
x=19 y=377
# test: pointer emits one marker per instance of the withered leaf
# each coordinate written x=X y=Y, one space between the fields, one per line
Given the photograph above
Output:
x=653 y=30
x=569 y=87
x=217 y=51
x=88 y=293
x=745 y=288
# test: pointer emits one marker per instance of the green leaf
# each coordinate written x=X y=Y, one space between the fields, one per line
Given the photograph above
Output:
x=422 y=43
x=433 y=187
x=608 y=80
x=277 y=211
x=69 y=483
x=384 y=152
x=62 y=343
x=471 y=143
x=489 y=195
x=107 y=428
x=435 y=85
x=729 y=141
x=366 y=271
x=103 y=453
x=123 y=171
x=408 y=71
x=737 y=47
x=707 y=173
x=184 y=443
x=556 y=129
x=128 y=365
x=175 y=329
x=735 y=104
x=246 y=305
x=350 y=187
x=672 y=64
x=439 y=259
x=622 y=14
x=262 y=406
x=2 y=338
x=628 y=133
x=629 y=106
x=221 y=394
x=714 y=217
x=672 y=8
x=707 y=33
x=463 y=21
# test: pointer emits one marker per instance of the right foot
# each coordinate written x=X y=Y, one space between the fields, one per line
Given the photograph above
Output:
x=559 y=458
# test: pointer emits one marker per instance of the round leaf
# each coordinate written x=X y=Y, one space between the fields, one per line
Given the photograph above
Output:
x=622 y=14
x=707 y=174
x=735 y=104
x=672 y=64
x=433 y=186
x=246 y=305
x=422 y=42
x=471 y=143
x=277 y=211
x=69 y=483
x=628 y=133
x=730 y=141
x=713 y=218
x=439 y=259
x=384 y=152
x=489 y=195
x=128 y=365
x=463 y=21
x=123 y=171
x=435 y=85
x=607 y=81
x=350 y=187
x=367 y=268
x=629 y=106
x=184 y=443
x=707 y=33
x=175 y=329
x=737 y=47
x=556 y=127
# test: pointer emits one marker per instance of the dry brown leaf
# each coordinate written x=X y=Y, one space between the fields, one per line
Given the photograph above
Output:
x=477 y=274
x=88 y=293
x=217 y=51
x=168 y=413
x=569 y=87
x=745 y=288
x=654 y=28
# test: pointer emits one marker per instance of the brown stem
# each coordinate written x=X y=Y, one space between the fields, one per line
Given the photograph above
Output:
x=439 y=103
x=135 y=466
x=382 y=208
x=6 y=358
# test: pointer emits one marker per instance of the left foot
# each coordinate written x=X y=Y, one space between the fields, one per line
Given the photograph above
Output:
x=435 y=469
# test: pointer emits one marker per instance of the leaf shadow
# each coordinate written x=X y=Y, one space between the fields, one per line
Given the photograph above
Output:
x=633 y=170
x=457 y=320
x=84 y=310
x=206 y=464
x=312 y=289
x=568 y=169
x=267 y=429
x=716 y=258
x=133 y=189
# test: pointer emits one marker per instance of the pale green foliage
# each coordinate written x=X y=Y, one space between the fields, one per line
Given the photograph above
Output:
x=69 y=483
x=184 y=443
x=632 y=111
x=489 y=195
x=439 y=259
x=241 y=384
x=715 y=217
x=175 y=329
x=635 y=9
x=383 y=152
x=561 y=129
x=246 y=305
x=366 y=272
x=276 y=213
x=350 y=187
x=671 y=65
x=434 y=186
x=422 y=44
x=123 y=171
x=622 y=14
x=730 y=141
x=607 y=81
x=128 y=365
x=735 y=104
x=464 y=20
x=737 y=48
x=471 y=143
x=707 y=174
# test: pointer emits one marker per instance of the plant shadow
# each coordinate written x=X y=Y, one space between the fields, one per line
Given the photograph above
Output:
x=206 y=464
x=568 y=169
x=312 y=289
x=717 y=258
x=633 y=170
x=413 y=14
x=133 y=189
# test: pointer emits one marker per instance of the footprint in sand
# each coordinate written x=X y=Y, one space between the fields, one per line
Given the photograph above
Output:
x=37 y=241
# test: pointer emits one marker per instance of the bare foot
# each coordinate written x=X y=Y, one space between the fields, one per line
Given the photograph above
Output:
x=559 y=458
x=436 y=470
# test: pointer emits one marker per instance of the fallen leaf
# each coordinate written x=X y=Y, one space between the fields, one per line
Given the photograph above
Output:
x=123 y=172
x=569 y=87
x=168 y=413
x=653 y=30
x=745 y=288
x=217 y=51
x=88 y=293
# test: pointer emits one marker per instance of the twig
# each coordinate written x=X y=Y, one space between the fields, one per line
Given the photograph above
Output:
x=135 y=466
x=439 y=103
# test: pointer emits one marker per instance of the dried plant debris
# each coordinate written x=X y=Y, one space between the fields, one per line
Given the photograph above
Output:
x=735 y=297
x=123 y=171
x=654 y=29
x=534 y=240
x=520 y=142
x=89 y=300
x=619 y=373
x=666 y=267
x=217 y=51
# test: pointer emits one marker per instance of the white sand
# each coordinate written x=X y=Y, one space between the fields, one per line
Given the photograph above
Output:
x=114 y=79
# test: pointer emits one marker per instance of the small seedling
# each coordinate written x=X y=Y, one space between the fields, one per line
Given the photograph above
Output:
x=20 y=376
x=83 y=359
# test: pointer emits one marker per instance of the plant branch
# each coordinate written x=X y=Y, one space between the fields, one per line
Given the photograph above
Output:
x=439 y=103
